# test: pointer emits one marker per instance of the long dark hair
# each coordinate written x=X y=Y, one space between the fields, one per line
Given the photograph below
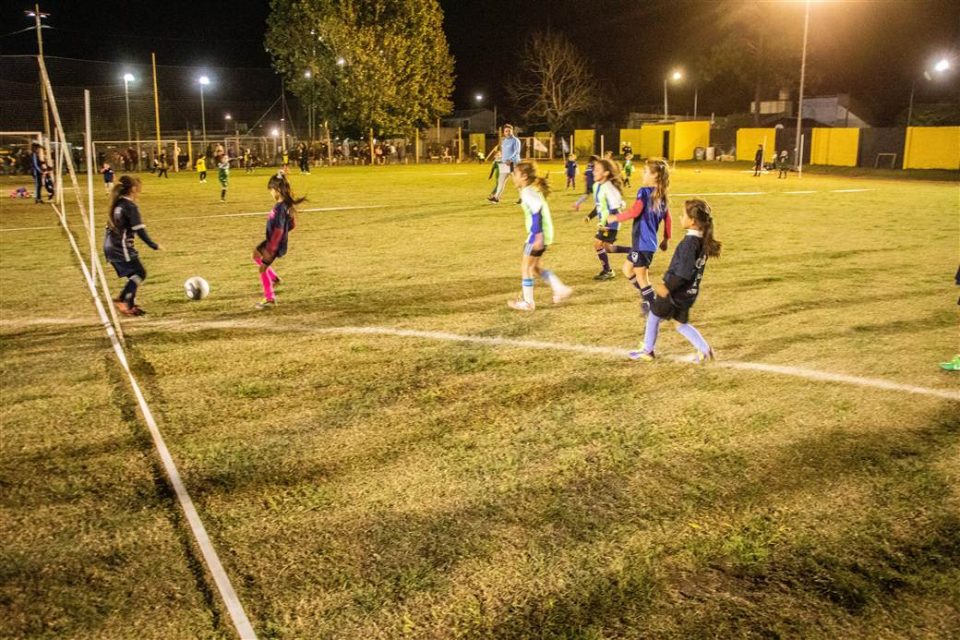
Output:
x=280 y=183
x=124 y=187
x=661 y=170
x=529 y=171
x=701 y=213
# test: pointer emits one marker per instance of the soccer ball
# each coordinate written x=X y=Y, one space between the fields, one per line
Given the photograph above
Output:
x=196 y=288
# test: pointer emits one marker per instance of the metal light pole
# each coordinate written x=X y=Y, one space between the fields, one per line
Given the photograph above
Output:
x=127 y=79
x=676 y=75
x=204 y=81
x=798 y=151
x=696 y=91
x=941 y=66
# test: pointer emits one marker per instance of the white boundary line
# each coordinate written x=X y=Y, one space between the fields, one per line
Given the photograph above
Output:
x=767 y=193
x=235 y=609
x=796 y=372
x=29 y=228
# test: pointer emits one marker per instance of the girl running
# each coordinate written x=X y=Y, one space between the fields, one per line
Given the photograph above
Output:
x=608 y=203
x=587 y=181
x=280 y=223
x=533 y=193
x=123 y=222
x=681 y=283
x=647 y=213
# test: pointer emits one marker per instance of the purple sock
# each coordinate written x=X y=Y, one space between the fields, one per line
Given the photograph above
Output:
x=604 y=260
x=650 y=334
x=690 y=332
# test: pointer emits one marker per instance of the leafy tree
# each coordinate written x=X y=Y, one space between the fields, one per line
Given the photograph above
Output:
x=554 y=83
x=759 y=48
x=381 y=64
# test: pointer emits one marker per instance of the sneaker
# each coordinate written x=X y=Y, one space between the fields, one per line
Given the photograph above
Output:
x=606 y=274
x=276 y=280
x=493 y=199
x=953 y=365
x=137 y=311
x=644 y=308
x=126 y=309
x=642 y=356
x=521 y=305
x=266 y=304
x=562 y=293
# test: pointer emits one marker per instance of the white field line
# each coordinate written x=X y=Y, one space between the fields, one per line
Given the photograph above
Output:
x=796 y=192
x=766 y=193
x=796 y=372
x=464 y=173
x=848 y=190
x=234 y=607
x=29 y=228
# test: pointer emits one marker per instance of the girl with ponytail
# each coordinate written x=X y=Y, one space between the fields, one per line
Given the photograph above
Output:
x=681 y=283
x=280 y=222
x=123 y=222
x=533 y=200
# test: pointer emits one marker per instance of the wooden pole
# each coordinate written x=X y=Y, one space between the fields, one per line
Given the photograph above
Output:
x=139 y=168
x=89 y=147
x=438 y=130
x=189 y=147
x=326 y=125
x=371 y=146
x=156 y=100
x=459 y=145
x=43 y=93
x=416 y=146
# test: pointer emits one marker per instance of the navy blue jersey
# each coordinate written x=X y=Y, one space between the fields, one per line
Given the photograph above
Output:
x=588 y=177
x=279 y=225
x=126 y=222
x=108 y=175
x=686 y=270
x=571 y=168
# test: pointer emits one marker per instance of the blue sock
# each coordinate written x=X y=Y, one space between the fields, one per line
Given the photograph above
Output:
x=690 y=332
x=650 y=333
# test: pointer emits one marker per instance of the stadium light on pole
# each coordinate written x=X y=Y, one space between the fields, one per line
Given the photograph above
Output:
x=676 y=76
x=941 y=66
x=479 y=98
x=797 y=151
x=204 y=81
x=127 y=79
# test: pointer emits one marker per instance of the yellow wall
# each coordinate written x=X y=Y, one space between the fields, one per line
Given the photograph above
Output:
x=480 y=140
x=633 y=137
x=651 y=141
x=584 y=138
x=932 y=148
x=748 y=139
x=837 y=147
x=689 y=136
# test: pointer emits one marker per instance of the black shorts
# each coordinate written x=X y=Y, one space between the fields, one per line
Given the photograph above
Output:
x=641 y=258
x=528 y=250
x=130 y=268
x=667 y=309
x=606 y=235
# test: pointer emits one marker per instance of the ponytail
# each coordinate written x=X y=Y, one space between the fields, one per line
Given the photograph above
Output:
x=124 y=187
x=529 y=171
x=701 y=213
x=280 y=183
x=661 y=169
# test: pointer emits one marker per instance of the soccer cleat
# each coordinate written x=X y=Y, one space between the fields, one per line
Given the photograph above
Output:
x=276 y=280
x=700 y=357
x=521 y=305
x=606 y=274
x=493 y=199
x=137 y=311
x=266 y=304
x=642 y=356
x=953 y=365
x=562 y=293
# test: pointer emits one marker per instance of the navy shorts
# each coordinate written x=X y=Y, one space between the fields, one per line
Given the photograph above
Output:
x=131 y=268
x=528 y=250
x=667 y=309
x=641 y=258
x=606 y=235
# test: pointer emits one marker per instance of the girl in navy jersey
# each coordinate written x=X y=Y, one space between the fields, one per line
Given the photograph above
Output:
x=123 y=223
x=681 y=283
x=280 y=223
x=588 y=179
x=649 y=210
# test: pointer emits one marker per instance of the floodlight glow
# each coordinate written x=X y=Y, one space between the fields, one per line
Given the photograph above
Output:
x=274 y=133
x=341 y=62
x=204 y=80
x=941 y=66
x=676 y=75
x=128 y=77
x=307 y=74
x=228 y=117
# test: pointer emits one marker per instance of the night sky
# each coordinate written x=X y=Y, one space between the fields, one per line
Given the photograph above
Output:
x=872 y=49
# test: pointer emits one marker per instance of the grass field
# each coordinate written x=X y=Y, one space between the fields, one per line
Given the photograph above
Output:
x=364 y=485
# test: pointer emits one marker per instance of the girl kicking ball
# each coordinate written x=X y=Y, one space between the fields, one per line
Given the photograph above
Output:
x=122 y=224
x=280 y=223
x=533 y=193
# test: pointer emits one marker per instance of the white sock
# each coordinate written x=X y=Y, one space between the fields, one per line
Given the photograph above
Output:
x=527 y=289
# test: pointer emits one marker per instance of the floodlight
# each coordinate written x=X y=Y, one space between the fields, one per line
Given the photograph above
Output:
x=479 y=97
x=341 y=61
x=677 y=75
x=128 y=77
x=274 y=132
x=307 y=74
x=228 y=117
x=941 y=66
x=204 y=80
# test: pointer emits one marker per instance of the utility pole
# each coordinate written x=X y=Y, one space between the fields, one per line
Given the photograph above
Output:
x=43 y=96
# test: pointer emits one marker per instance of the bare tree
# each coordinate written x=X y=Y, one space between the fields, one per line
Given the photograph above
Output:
x=553 y=82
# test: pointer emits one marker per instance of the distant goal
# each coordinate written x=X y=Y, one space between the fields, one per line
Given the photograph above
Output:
x=888 y=160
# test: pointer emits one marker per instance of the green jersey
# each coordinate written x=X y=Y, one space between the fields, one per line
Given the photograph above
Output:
x=536 y=215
